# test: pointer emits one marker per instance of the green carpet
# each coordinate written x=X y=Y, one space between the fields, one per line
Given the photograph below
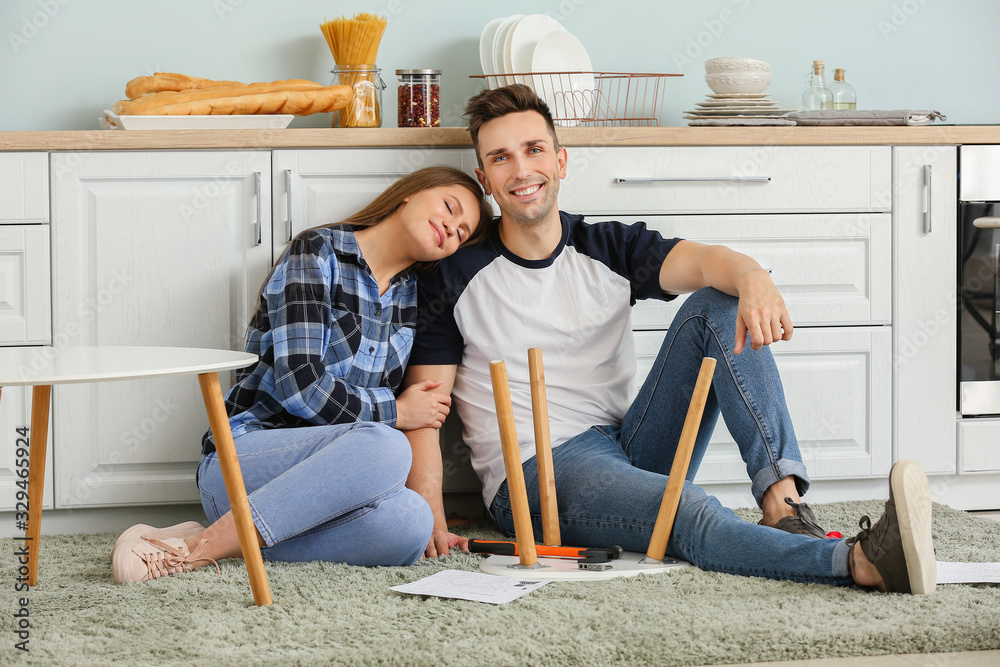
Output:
x=337 y=614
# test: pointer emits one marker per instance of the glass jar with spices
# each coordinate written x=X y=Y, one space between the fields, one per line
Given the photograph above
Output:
x=419 y=97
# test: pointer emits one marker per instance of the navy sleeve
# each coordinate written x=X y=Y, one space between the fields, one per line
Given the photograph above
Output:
x=438 y=340
x=633 y=251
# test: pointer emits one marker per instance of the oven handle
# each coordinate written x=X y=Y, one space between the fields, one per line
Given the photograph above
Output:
x=986 y=223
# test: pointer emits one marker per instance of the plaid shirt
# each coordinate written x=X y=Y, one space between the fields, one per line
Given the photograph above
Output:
x=331 y=349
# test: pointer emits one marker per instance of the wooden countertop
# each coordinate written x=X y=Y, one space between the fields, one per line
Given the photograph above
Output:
x=457 y=136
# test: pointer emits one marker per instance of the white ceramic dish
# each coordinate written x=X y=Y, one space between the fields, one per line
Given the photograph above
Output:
x=200 y=122
x=486 y=44
x=525 y=36
x=714 y=65
x=738 y=82
x=568 y=95
x=499 y=40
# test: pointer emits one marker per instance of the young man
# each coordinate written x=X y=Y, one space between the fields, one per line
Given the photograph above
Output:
x=547 y=279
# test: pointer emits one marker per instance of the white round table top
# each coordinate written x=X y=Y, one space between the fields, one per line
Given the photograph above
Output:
x=62 y=365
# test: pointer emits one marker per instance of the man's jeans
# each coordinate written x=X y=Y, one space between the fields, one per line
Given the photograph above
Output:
x=610 y=479
x=333 y=493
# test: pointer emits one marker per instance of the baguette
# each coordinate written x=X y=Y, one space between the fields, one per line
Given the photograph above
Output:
x=299 y=102
x=151 y=102
x=161 y=81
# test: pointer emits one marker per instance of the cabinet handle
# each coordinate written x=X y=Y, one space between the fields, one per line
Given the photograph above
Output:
x=256 y=224
x=288 y=203
x=986 y=223
x=927 y=199
x=706 y=179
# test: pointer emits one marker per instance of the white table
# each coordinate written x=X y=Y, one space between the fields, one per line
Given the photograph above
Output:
x=42 y=367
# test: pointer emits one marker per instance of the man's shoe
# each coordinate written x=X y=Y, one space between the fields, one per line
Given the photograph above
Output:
x=899 y=545
x=145 y=559
x=803 y=523
x=181 y=530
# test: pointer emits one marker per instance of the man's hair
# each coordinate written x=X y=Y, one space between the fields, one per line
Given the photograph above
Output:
x=490 y=104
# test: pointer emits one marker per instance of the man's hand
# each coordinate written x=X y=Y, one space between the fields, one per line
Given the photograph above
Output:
x=442 y=541
x=421 y=407
x=761 y=311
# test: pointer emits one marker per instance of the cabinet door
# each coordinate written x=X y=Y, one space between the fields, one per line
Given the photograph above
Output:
x=321 y=186
x=836 y=384
x=24 y=187
x=160 y=249
x=830 y=269
x=25 y=305
x=15 y=413
x=924 y=326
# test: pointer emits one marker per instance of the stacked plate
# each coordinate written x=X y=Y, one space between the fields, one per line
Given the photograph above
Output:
x=736 y=106
x=538 y=51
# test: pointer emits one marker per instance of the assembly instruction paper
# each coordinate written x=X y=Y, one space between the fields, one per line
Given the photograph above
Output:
x=968 y=573
x=474 y=586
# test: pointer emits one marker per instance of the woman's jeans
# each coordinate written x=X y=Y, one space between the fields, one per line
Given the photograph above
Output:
x=610 y=479
x=332 y=493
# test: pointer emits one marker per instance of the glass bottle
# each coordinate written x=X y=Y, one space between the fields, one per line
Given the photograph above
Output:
x=817 y=96
x=419 y=97
x=843 y=92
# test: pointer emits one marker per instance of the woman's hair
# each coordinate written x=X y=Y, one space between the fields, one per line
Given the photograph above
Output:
x=392 y=198
x=386 y=203
x=490 y=104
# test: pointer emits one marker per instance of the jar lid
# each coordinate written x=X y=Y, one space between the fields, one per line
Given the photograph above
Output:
x=424 y=72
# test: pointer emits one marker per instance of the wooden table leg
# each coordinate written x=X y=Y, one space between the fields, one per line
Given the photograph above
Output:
x=38 y=435
x=219 y=422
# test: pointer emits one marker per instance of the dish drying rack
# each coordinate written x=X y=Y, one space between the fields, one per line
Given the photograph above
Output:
x=594 y=99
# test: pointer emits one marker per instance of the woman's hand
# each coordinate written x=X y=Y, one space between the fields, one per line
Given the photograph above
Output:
x=421 y=407
x=442 y=541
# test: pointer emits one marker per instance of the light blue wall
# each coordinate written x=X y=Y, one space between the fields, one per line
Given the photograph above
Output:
x=63 y=61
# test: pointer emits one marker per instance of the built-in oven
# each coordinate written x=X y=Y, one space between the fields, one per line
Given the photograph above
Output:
x=979 y=280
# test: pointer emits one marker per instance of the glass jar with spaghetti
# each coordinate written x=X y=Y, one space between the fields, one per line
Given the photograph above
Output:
x=365 y=108
x=419 y=97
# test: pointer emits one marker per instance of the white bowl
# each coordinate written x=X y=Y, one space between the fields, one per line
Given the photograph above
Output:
x=717 y=65
x=738 y=82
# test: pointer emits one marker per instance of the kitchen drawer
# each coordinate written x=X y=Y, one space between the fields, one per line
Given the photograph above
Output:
x=319 y=186
x=25 y=305
x=830 y=269
x=837 y=385
x=24 y=187
x=687 y=179
x=978 y=445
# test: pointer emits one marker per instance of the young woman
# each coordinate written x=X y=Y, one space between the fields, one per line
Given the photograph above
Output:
x=315 y=421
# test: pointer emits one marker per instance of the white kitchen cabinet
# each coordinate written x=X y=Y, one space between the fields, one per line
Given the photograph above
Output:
x=159 y=249
x=318 y=187
x=24 y=188
x=830 y=269
x=25 y=312
x=836 y=385
x=924 y=307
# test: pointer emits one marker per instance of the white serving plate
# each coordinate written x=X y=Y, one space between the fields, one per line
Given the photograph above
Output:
x=525 y=36
x=486 y=45
x=568 y=95
x=499 y=40
x=197 y=122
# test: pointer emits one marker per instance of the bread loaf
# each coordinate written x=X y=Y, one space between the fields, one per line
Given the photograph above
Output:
x=151 y=102
x=301 y=102
x=161 y=81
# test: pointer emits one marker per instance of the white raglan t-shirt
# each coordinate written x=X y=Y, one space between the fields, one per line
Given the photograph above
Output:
x=484 y=303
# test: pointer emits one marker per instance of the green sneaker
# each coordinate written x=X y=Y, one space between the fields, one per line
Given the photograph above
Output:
x=803 y=523
x=899 y=545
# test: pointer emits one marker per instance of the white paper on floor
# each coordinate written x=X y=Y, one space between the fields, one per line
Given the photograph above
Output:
x=968 y=573
x=473 y=586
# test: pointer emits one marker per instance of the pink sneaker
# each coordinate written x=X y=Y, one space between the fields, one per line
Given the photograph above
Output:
x=181 y=530
x=144 y=559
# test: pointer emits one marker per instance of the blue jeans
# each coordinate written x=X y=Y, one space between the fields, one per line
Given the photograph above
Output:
x=333 y=493
x=610 y=479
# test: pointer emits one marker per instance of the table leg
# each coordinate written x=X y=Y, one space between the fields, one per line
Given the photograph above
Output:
x=36 y=475
x=219 y=422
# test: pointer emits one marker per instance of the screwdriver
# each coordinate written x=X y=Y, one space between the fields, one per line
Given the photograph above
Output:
x=584 y=554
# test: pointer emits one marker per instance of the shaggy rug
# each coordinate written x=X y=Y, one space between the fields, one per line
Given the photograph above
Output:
x=329 y=614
